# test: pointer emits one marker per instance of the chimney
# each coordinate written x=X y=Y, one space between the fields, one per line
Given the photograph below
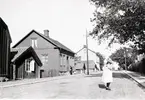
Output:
x=46 y=33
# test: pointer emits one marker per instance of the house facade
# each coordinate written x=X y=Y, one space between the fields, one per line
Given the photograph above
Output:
x=5 y=41
x=55 y=57
x=81 y=66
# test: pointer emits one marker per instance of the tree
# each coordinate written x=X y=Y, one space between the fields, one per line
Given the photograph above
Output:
x=120 y=54
x=122 y=20
x=96 y=67
x=101 y=58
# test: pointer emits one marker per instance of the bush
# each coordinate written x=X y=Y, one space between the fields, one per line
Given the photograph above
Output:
x=138 y=66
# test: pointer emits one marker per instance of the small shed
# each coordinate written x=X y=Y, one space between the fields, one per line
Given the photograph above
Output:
x=25 y=63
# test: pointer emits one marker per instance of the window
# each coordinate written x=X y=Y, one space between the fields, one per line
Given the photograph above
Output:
x=29 y=65
x=60 y=55
x=32 y=65
x=62 y=60
x=34 y=42
x=45 y=59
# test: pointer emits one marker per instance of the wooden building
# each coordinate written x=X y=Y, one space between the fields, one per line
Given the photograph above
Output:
x=55 y=57
x=5 y=41
x=25 y=63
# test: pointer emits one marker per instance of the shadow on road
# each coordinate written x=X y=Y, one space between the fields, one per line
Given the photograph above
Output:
x=120 y=75
x=115 y=75
x=95 y=75
x=102 y=86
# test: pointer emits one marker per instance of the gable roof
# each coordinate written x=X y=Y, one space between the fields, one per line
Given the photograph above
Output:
x=52 y=41
x=3 y=24
x=24 y=53
x=19 y=52
x=58 y=44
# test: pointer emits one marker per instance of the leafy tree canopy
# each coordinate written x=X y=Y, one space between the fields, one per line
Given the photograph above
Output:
x=122 y=53
x=124 y=20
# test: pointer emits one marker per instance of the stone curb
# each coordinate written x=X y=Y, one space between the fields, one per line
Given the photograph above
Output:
x=134 y=79
x=35 y=81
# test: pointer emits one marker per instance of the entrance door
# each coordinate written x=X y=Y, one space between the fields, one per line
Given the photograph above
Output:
x=67 y=63
x=41 y=73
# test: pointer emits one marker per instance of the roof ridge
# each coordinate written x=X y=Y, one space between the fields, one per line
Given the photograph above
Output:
x=54 y=42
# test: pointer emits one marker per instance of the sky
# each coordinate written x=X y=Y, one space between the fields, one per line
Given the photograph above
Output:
x=66 y=20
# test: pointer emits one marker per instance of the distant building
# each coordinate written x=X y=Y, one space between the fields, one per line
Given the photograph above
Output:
x=81 y=55
x=5 y=41
x=77 y=58
x=55 y=57
x=81 y=65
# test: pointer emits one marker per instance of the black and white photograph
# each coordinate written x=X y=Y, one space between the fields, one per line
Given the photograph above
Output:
x=72 y=49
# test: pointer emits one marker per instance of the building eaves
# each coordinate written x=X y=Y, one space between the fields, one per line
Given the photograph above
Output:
x=54 y=42
x=22 y=52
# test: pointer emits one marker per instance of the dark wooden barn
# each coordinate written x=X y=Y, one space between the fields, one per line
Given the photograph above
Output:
x=5 y=41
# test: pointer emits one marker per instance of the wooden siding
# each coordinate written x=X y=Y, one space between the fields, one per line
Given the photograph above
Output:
x=4 y=51
x=21 y=73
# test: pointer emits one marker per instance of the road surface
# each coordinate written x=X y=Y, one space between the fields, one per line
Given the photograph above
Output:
x=78 y=87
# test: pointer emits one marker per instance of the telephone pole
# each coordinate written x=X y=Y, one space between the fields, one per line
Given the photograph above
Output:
x=87 y=53
x=125 y=58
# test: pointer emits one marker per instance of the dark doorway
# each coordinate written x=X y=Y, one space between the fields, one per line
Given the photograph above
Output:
x=41 y=73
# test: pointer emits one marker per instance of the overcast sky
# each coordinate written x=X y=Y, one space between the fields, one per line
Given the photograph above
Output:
x=67 y=20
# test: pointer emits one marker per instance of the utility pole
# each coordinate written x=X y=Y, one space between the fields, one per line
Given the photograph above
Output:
x=87 y=53
x=125 y=58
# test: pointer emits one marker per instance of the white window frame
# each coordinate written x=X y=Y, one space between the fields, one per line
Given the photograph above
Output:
x=44 y=59
x=34 y=42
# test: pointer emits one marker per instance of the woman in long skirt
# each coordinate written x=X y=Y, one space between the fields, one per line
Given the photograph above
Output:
x=107 y=76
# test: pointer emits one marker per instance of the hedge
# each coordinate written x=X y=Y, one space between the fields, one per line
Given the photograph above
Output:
x=138 y=66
